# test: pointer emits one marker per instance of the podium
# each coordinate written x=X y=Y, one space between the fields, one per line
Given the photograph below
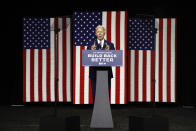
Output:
x=102 y=115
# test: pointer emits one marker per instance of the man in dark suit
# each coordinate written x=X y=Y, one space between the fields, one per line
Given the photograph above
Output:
x=100 y=44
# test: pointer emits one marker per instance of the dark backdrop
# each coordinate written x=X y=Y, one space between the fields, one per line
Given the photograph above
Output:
x=11 y=45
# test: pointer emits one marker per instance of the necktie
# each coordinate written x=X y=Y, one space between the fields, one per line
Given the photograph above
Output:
x=99 y=46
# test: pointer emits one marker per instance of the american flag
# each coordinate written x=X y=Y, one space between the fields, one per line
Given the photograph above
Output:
x=143 y=64
x=39 y=60
x=84 y=24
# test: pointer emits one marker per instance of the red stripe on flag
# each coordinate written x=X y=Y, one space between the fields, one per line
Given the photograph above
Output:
x=90 y=92
x=64 y=61
x=118 y=48
x=74 y=72
x=125 y=59
x=71 y=86
x=152 y=74
x=24 y=75
x=109 y=26
x=48 y=74
x=136 y=74
x=32 y=75
x=144 y=76
x=40 y=74
x=160 y=60
x=168 y=60
x=81 y=78
x=129 y=75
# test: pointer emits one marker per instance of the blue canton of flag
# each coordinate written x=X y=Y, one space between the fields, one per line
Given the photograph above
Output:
x=84 y=24
x=141 y=34
x=36 y=33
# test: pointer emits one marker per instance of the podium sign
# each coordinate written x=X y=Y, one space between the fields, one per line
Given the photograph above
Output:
x=102 y=57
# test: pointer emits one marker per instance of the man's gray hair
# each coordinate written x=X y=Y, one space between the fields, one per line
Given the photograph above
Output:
x=100 y=26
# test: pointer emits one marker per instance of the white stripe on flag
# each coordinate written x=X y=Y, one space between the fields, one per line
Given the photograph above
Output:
x=173 y=60
x=148 y=76
x=52 y=62
x=122 y=68
x=164 y=86
x=113 y=39
x=104 y=23
x=132 y=64
x=157 y=63
x=140 y=76
x=60 y=61
x=27 y=75
x=68 y=58
x=77 y=75
x=86 y=84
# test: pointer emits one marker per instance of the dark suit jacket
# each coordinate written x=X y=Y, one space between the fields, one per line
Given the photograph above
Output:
x=93 y=69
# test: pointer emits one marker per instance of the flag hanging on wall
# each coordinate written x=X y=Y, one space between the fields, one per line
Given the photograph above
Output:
x=142 y=62
x=39 y=53
x=84 y=24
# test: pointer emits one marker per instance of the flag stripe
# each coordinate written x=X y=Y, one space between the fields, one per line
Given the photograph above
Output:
x=152 y=70
x=60 y=61
x=117 y=48
x=44 y=75
x=70 y=90
x=81 y=78
x=144 y=75
x=129 y=75
x=32 y=75
x=68 y=63
x=157 y=61
x=168 y=60
x=140 y=72
x=36 y=67
x=164 y=86
x=48 y=75
x=136 y=74
x=28 y=66
x=74 y=74
x=24 y=75
x=148 y=76
x=160 y=59
x=175 y=58
x=125 y=59
x=52 y=62
x=40 y=74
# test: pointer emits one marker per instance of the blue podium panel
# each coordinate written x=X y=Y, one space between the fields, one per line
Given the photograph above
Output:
x=102 y=57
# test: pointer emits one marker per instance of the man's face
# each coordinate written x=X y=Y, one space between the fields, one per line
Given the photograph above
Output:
x=100 y=33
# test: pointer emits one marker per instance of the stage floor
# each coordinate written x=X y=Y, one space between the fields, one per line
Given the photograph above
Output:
x=26 y=118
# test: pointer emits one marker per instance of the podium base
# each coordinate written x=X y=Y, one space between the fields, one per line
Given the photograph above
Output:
x=102 y=115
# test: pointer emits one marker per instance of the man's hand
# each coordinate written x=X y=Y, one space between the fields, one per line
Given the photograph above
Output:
x=107 y=47
x=93 y=47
